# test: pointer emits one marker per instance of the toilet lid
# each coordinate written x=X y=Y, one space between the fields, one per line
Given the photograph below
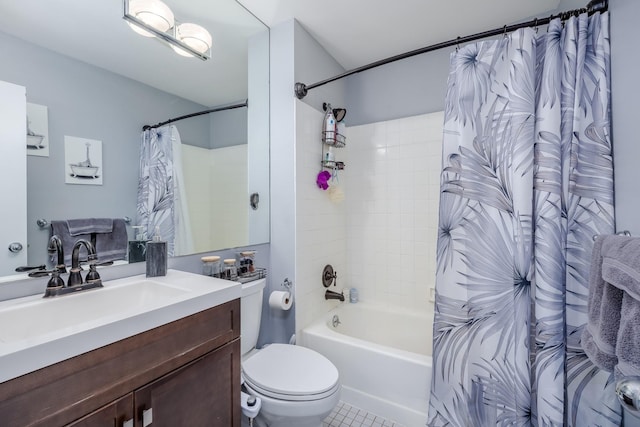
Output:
x=290 y=371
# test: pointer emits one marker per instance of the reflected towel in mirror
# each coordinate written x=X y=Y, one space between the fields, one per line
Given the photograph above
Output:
x=110 y=246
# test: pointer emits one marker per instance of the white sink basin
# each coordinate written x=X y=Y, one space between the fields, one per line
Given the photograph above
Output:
x=33 y=318
x=37 y=332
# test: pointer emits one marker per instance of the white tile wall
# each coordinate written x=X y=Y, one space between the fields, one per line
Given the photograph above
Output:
x=321 y=232
x=381 y=239
x=393 y=180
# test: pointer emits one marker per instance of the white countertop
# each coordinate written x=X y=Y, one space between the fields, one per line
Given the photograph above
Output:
x=58 y=328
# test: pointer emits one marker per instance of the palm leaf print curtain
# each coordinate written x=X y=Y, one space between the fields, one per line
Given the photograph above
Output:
x=527 y=181
x=161 y=199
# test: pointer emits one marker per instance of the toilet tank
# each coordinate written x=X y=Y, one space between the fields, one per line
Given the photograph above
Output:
x=250 y=314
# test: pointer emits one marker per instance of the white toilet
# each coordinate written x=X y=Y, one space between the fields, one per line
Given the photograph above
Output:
x=295 y=386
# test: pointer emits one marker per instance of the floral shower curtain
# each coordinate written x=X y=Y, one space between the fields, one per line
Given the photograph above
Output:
x=161 y=195
x=527 y=182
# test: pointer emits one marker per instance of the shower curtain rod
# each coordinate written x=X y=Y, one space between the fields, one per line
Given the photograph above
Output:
x=199 y=113
x=593 y=6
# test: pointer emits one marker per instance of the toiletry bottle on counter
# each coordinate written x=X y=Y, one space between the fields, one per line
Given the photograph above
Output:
x=211 y=265
x=137 y=247
x=230 y=271
x=156 y=256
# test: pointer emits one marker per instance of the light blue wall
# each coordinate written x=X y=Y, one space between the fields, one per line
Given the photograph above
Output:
x=403 y=88
x=295 y=57
x=314 y=64
x=625 y=85
x=279 y=326
x=228 y=127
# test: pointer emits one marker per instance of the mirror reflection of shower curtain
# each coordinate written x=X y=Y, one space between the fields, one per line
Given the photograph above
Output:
x=161 y=200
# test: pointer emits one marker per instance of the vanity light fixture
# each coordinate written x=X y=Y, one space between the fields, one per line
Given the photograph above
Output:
x=192 y=35
x=153 y=18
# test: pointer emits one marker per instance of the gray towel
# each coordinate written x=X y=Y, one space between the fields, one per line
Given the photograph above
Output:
x=113 y=246
x=603 y=312
x=621 y=268
x=89 y=225
x=110 y=246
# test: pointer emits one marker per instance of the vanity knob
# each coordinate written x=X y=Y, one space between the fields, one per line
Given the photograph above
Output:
x=15 y=247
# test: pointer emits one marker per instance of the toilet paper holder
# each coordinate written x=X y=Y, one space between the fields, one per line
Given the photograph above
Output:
x=287 y=284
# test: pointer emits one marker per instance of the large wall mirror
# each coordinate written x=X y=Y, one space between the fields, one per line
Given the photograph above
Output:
x=97 y=80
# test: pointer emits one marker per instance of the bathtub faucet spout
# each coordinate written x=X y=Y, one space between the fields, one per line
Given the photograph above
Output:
x=333 y=295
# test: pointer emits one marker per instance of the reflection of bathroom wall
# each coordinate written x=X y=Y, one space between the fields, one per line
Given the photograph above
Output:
x=212 y=185
x=85 y=101
x=197 y=179
x=229 y=198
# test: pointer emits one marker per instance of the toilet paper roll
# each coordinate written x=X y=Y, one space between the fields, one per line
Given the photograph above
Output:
x=280 y=300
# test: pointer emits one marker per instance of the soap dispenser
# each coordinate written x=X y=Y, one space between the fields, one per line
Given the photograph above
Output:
x=156 y=256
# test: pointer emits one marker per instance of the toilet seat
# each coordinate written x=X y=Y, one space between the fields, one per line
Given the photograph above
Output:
x=290 y=372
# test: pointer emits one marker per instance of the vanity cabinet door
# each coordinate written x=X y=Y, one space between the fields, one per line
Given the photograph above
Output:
x=203 y=393
x=116 y=414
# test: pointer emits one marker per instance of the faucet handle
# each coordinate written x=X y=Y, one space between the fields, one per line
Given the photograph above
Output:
x=55 y=281
x=92 y=275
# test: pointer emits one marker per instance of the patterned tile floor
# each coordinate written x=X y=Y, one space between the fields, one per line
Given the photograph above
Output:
x=345 y=415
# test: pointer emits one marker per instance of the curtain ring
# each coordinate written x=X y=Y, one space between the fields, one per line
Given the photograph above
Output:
x=505 y=32
x=458 y=44
x=535 y=25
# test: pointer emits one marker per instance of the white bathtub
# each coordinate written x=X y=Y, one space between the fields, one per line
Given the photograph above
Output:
x=383 y=356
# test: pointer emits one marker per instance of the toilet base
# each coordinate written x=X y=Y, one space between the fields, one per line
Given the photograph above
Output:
x=261 y=422
x=279 y=413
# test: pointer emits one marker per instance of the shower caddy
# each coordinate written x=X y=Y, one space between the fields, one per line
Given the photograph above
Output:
x=331 y=138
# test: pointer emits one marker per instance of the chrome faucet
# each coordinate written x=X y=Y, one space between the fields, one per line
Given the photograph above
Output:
x=333 y=295
x=55 y=247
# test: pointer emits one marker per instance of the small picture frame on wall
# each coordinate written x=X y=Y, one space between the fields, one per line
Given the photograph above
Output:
x=37 y=130
x=83 y=161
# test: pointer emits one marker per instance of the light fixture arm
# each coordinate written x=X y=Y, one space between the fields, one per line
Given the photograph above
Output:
x=166 y=37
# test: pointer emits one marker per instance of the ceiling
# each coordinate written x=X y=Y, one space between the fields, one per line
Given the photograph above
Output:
x=93 y=31
x=358 y=32
x=354 y=32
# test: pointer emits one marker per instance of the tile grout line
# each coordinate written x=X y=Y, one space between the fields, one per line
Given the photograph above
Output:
x=345 y=415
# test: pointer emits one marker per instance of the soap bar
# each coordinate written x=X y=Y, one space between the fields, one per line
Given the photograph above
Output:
x=156 y=259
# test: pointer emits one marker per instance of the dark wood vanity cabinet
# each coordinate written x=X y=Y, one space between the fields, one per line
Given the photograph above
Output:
x=185 y=373
x=116 y=414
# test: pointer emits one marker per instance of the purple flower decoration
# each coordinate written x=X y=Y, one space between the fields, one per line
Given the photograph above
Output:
x=322 y=180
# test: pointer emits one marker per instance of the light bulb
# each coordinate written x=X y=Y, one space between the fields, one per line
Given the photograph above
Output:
x=154 y=13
